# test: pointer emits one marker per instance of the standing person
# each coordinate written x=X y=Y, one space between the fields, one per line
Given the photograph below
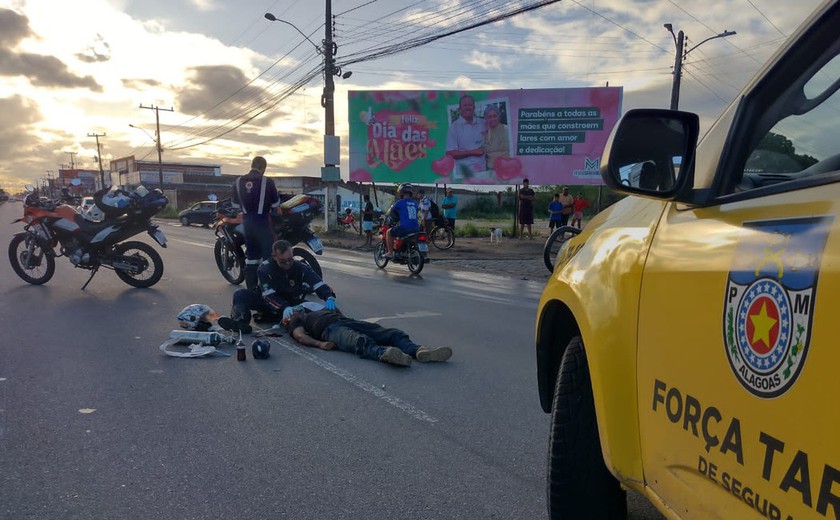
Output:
x=330 y=329
x=367 y=221
x=526 y=208
x=257 y=196
x=425 y=210
x=450 y=207
x=580 y=204
x=555 y=210
x=465 y=142
x=568 y=206
x=405 y=213
x=284 y=283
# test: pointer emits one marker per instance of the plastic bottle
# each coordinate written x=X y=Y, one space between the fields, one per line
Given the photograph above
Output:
x=194 y=336
x=240 y=350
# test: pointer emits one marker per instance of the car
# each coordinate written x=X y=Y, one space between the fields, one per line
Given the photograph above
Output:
x=685 y=340
x=203 y=212
x=90 y=210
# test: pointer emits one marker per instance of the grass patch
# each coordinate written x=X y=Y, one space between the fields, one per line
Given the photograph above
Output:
x=168 y=212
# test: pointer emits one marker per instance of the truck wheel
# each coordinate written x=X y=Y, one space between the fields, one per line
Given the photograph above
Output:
x=579 y=485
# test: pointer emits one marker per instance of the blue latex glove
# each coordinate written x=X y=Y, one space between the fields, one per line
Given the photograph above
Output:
x=288 y=311
x=330 y=304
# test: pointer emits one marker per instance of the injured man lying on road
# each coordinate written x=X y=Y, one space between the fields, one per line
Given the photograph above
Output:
x=329 y=330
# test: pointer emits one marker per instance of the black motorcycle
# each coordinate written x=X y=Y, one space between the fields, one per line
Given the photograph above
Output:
x=51 y=225
x=291 y=223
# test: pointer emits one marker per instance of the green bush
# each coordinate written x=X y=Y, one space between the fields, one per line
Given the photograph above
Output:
x=168 y=212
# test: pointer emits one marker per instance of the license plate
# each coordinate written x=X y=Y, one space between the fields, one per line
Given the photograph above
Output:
x=315 y=244
x=424 y=248
x=159 y=237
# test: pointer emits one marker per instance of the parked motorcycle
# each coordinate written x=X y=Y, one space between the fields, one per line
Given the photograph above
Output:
x=291 y=223
x=51 y=225
x=411 y=250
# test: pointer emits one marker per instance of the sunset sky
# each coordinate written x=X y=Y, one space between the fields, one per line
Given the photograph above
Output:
x=241 y=86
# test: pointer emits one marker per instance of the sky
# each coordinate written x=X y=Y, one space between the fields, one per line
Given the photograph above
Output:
x=239 y=85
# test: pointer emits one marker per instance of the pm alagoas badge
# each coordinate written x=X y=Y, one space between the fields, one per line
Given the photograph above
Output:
x=769 y=302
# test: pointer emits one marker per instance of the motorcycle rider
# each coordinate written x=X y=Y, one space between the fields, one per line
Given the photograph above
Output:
x=284 y=282
x=404 y=212
x=257 y=196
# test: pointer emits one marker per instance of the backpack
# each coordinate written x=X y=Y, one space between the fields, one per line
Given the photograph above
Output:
x=434 y=209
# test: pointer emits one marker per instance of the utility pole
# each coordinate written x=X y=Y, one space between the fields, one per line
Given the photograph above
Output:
x=330 y=173
x=99 y=157
x=680 y=55
x=678 y=59
x=71 y=154
x=157 y=135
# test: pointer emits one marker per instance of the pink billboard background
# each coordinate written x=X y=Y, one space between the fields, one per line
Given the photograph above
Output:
x=550 y=136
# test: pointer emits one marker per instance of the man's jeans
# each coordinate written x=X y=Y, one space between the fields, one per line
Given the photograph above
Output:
x=368 y=340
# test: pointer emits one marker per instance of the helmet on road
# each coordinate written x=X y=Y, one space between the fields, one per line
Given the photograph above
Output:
x=405 y=188
x=260 y=349
x=197 y=317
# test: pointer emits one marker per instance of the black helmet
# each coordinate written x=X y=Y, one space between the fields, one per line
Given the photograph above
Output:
x=260 y=349
x=405 y=188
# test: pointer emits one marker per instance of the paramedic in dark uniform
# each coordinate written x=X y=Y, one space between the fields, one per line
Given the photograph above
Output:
x=257 y=197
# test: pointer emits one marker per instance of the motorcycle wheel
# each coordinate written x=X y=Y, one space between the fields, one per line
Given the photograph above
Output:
x=230 y=261
x=152 y=264
x=43 y=264
x=442 y=237
x=308 y=258
x=379 y=255
x=415 y=260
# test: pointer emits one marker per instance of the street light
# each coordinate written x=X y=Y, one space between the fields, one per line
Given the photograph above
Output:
x=272 y=18
x=329 y=172
x=679 y=42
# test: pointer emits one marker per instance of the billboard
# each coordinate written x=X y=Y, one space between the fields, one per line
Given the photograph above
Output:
x=550 y=136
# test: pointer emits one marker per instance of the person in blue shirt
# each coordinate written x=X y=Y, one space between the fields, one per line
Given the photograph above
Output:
x=449 y=204
x=404 y=212
x=257 y=196
x=555 y=210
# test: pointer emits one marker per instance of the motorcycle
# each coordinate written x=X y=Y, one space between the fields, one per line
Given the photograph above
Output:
x=290 y=223
x=51 y=225
x=411 y=250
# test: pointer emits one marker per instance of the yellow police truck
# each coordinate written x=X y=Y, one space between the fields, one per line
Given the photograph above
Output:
x=688 y=340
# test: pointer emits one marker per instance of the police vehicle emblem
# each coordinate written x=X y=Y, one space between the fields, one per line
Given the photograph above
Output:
x=769 y=302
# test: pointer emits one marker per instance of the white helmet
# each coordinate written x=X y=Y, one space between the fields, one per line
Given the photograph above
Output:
x=197 y=317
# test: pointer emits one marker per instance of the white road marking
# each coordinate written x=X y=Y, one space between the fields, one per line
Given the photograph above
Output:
x=199 y=244
x=87 y=410
x=414 y=314
x=372 y=389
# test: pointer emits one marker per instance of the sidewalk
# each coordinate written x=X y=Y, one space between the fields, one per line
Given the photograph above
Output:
x=514 y=258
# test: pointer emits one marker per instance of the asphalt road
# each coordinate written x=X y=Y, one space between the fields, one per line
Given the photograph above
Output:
x=96 y=422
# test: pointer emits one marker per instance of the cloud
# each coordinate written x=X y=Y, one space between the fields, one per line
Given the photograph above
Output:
x=140 y=83
x=14 y=28
x=209 y=85
x=41 y=70
x=98 y=51
x=205 y=5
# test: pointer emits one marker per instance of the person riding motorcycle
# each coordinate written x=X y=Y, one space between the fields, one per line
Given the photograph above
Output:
x=404 y=212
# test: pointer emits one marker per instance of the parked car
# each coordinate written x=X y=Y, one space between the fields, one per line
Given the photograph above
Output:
x=90 y=210
x=203 y=213
x=685 y=341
